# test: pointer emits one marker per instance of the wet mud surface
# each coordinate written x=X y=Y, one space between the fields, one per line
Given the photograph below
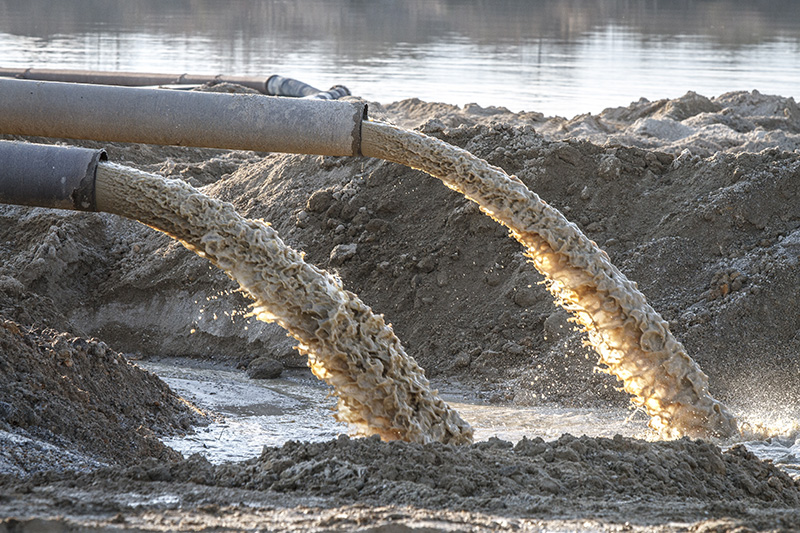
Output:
x=695 y=199
x=609 y=481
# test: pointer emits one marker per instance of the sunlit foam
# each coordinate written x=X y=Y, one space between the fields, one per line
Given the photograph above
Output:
x=652 y=364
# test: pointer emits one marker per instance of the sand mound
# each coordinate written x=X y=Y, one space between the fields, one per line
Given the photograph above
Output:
x=368 y=485
x=496 y=475
x=67 y=402
x=734 y=122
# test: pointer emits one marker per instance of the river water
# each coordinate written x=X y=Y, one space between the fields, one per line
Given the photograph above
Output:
x=551 y=56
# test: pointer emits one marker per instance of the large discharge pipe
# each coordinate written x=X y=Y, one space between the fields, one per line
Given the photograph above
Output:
x=44 y=175
x=181 y=118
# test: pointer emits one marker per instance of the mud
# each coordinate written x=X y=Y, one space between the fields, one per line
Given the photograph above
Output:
x=695 y=199
x=68 y=402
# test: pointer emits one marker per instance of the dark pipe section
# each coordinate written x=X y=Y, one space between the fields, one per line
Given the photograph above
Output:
x=280 y=86
x=43 y=175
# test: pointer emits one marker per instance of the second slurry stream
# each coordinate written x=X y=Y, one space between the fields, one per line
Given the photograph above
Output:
x=633 y=341
x=380 y=389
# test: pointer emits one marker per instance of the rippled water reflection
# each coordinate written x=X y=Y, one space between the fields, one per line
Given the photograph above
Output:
x=539 y=55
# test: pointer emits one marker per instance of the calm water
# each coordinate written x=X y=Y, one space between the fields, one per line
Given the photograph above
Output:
x=556 y=57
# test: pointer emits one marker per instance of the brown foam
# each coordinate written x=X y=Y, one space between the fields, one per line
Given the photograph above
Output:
x=380 y=389
x=633 y=341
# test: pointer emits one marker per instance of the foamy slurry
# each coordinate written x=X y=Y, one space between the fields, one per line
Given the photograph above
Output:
x=380 y=389
x=633 y=341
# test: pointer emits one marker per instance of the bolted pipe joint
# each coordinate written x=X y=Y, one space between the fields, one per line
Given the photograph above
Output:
x=43 y=175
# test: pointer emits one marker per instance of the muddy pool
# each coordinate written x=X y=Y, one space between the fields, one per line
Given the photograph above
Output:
x=250 y=414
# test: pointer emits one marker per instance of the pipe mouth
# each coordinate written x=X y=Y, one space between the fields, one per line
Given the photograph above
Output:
x=88 y=184
x=43 y=175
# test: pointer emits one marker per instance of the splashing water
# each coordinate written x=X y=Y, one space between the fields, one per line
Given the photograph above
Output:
x=633 y=341
x=380 y=389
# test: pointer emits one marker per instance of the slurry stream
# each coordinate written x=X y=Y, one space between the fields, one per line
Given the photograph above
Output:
x=380 y=389
x=633 y=341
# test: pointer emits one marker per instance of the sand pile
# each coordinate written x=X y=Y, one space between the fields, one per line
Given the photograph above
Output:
x=592 y=484
x=496 y=475
x=731 y=123
x=67 y=402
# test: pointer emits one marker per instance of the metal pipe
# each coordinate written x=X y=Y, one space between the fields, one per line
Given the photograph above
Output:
x=44 y=175
x=129 y=79
x=158 y=116
x=289 y=87
x=274 y=85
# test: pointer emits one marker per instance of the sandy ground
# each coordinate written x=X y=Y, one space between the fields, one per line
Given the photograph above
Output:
x=694 y=198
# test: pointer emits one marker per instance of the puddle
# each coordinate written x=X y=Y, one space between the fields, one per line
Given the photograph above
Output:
x=258 y=413
x=512 y=423
x=135 y=500
x=784 y=452
x=254 y=413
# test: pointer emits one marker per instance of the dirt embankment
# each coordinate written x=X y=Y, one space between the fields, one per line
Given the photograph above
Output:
x=696 y=199
x=569 y=484
x=67 y=402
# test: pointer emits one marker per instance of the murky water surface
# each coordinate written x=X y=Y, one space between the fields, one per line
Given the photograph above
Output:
x=549 y=56
x=253 y=413
x=257 y=413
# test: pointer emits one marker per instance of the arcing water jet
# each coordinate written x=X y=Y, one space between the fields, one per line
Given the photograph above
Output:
x=633 y=341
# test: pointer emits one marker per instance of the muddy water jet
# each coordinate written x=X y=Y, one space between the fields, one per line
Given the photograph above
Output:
x=633 y=341
x=380 y=389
